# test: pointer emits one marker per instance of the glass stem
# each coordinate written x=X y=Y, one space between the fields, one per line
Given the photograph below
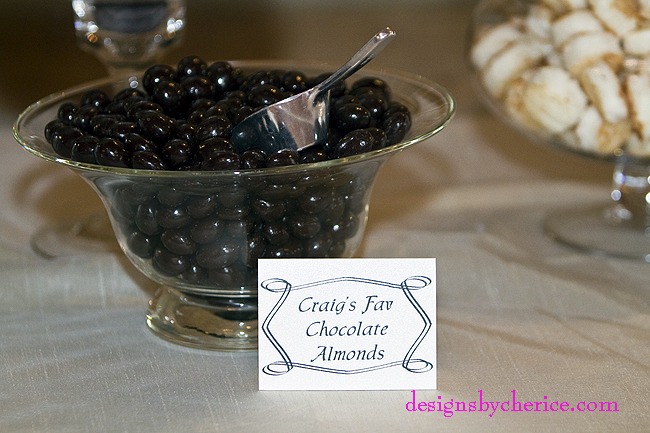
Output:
x=118 y=70
x=631 y=194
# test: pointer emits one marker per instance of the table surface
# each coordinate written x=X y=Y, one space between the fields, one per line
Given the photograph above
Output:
x=516 y=311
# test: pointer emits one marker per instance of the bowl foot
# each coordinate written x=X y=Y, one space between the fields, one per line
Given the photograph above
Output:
x=600 y=230
x=204 y=321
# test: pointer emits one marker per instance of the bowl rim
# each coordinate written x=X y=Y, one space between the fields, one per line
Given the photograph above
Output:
x=26 y=141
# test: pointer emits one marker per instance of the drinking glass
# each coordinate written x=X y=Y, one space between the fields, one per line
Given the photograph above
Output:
x=128 y=35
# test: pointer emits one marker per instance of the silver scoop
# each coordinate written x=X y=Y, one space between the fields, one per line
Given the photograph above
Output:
x=301 y=120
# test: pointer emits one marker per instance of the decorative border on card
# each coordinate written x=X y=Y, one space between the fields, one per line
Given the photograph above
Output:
x=285 y=288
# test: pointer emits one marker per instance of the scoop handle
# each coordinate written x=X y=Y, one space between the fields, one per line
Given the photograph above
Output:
x=359 y=60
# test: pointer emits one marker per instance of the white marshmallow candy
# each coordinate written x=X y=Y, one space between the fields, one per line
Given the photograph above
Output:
x=513 y=103
x=510 y=63
x=588 y=130
x=603 y=87
x=574 y=23
x=492 y=41
x=619 y=16
x=554 y=99
x=538 y=21
x=587 y=49
x=637 y=43
x=638 y=96
x=594 y=134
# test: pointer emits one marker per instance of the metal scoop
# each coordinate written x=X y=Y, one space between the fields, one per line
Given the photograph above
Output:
x=301 y=120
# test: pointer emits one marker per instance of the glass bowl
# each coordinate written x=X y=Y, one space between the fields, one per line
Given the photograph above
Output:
x=575 y=75
x=199 y=233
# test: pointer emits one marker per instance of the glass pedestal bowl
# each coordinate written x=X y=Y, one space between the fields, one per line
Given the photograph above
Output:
x=199 y=233
x=576 y=76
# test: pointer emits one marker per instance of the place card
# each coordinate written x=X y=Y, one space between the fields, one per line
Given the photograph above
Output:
x=347 y=324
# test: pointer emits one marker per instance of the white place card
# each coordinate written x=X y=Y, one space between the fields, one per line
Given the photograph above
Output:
x=347 y=324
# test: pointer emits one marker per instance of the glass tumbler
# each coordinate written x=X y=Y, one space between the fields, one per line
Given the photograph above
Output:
x=128 y=34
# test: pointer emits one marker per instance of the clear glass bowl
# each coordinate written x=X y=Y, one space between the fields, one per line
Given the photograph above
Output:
x=577 y=77
x=199 y=234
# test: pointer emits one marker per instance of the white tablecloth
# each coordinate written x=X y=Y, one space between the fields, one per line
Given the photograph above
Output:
x=516 y=311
